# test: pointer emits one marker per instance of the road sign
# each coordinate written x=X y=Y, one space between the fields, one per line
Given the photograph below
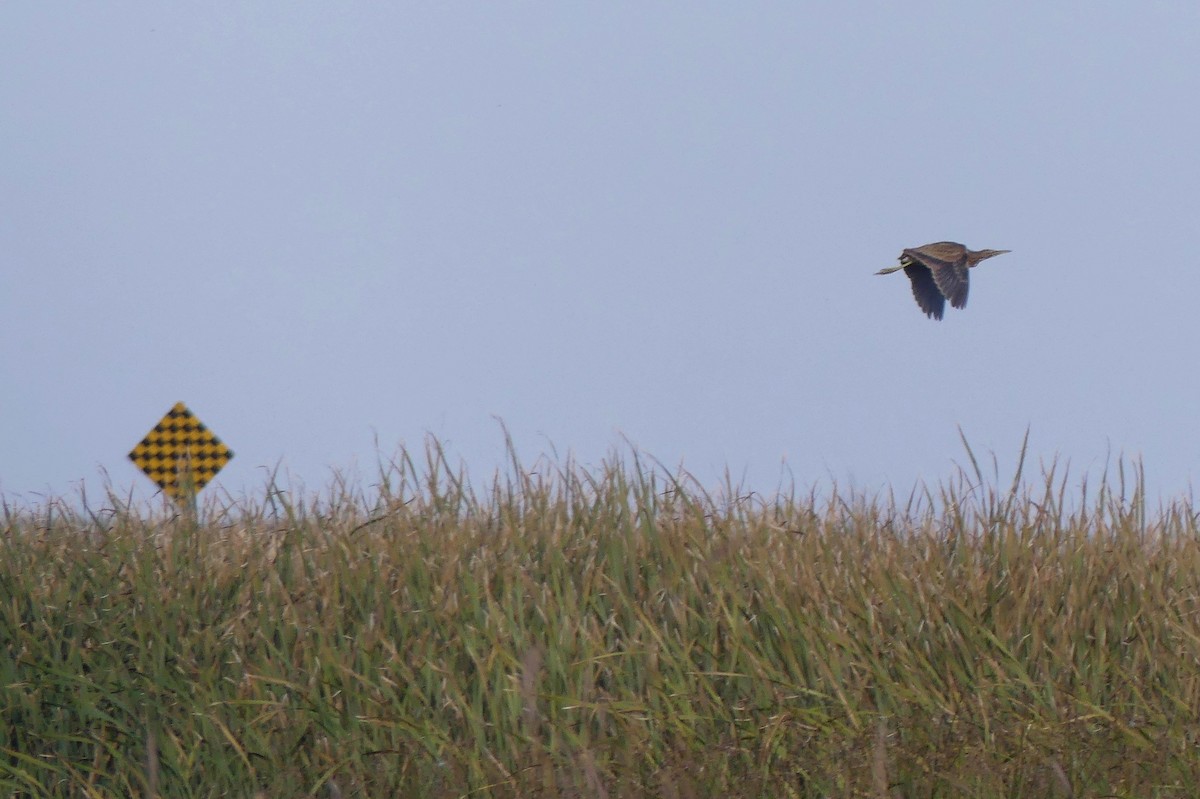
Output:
x=180 y=454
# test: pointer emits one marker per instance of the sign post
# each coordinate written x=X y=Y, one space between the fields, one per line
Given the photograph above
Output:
x=181 y=455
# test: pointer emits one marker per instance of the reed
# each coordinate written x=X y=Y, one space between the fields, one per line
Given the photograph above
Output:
x=606 y=632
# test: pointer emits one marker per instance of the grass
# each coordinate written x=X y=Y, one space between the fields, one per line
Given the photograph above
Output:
x=612 y=632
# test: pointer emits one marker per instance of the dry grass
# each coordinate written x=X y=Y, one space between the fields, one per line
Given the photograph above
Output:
x=607 y=633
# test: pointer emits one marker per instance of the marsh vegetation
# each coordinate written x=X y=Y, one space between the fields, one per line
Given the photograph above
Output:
x=615 y=631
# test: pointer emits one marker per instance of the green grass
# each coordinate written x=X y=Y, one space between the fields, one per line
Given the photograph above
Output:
x=612 y=632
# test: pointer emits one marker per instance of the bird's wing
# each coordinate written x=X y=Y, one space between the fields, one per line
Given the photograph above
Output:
x=925 y=290
x=949 y=267
x=953 y=281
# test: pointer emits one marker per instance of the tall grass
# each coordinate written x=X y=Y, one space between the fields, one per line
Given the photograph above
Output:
x=606 y=632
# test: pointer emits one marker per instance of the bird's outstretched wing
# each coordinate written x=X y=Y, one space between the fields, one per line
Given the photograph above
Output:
x=953 y=281
x=950 y=271
x=926 y=291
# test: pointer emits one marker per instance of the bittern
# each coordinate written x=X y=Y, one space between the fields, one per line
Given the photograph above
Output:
x=939 y=272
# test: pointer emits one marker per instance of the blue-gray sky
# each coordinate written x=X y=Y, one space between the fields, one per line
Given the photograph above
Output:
x=326 y=225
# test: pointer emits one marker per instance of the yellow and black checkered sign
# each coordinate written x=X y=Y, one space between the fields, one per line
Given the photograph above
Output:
x=180 y=453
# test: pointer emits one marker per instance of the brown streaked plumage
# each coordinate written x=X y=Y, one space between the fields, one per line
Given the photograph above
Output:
x=939 y=272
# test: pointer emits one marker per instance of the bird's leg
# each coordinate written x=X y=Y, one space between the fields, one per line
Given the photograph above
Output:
x=904 y=261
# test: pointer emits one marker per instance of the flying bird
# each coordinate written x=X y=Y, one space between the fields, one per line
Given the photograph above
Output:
x=939 y=272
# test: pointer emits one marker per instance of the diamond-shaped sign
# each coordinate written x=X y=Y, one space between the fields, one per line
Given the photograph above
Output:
x=180 y=453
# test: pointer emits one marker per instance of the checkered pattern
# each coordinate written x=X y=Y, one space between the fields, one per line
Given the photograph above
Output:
x=180 y=452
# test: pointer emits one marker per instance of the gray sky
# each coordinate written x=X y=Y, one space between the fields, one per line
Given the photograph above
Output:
x=322 y=225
